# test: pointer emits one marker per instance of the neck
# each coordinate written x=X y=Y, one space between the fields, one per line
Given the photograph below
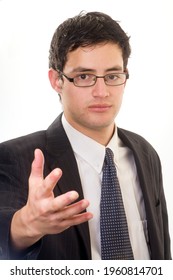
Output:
x=102 y=135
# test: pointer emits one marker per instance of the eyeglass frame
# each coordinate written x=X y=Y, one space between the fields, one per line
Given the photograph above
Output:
x=72 y=80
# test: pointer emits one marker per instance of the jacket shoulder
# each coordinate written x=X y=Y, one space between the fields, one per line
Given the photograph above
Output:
x=33 y=140
x=136 y=141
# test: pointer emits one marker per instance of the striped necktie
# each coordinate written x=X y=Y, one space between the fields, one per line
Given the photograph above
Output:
x=115 y=242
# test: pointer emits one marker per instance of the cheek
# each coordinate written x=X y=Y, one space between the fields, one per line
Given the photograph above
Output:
x=74 y=95
x=119 y=94
x=71 y=99
x=117 y=99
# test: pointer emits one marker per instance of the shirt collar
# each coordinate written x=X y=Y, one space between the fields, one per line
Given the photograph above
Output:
x=87 y=148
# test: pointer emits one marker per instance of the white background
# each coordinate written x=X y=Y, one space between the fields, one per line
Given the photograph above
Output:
x=27 y=101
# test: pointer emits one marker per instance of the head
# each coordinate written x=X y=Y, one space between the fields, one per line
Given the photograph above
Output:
x=86 y=30
x=86 y=46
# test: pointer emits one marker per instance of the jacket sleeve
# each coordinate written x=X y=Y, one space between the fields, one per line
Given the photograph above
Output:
x=160 y=248
x=164 y=214
x=13 y=196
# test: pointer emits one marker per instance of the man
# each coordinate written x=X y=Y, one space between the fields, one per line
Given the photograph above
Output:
x=51 y=209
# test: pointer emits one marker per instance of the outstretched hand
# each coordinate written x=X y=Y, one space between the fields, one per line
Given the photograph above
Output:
x=43 y=213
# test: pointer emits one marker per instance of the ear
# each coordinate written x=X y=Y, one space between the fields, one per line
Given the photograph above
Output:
x=55 y=80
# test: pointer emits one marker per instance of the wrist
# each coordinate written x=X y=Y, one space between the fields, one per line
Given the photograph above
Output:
x=23 y=234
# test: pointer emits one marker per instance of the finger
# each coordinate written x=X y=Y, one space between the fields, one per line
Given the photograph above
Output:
x=59 y=226
x=76 y=220
x=37 y=164
x=72 y=210
x=36 y=176
x=61 y=201
x=51 y=180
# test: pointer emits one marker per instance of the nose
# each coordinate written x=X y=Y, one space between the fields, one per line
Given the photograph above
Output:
x=100 y=89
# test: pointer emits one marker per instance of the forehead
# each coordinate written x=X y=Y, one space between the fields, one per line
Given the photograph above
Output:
x=97 y=57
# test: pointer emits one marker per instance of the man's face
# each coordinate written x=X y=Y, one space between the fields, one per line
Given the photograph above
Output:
x=92 y=108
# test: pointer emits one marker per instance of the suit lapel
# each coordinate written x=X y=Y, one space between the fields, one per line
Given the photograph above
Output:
x=59 y=154
x=141 y=158
x=148 y=174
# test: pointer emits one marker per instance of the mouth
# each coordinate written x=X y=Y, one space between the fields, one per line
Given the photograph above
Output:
x=99 y=108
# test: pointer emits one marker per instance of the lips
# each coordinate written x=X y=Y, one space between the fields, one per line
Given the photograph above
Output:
x=99 y=107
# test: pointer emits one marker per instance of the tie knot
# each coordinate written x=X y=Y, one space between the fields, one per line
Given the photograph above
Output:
x=109 y=156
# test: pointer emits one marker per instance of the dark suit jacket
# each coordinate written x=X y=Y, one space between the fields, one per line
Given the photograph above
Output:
x=15 y=164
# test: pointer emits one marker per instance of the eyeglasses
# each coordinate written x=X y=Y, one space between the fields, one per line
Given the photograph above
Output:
x=88 y=80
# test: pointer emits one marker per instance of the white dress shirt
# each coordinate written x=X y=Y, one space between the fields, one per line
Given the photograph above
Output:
x=90 y=157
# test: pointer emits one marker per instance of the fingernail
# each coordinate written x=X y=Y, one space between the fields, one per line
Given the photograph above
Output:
x=57 y=172
x=73 y=195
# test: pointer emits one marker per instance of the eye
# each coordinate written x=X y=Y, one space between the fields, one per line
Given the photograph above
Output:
x=83 y=77
x=112 y=77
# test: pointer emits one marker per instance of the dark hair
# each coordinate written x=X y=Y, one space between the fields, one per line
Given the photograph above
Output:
x=86 y=29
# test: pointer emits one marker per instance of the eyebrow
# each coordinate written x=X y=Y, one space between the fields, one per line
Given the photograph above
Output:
x=83 y=69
